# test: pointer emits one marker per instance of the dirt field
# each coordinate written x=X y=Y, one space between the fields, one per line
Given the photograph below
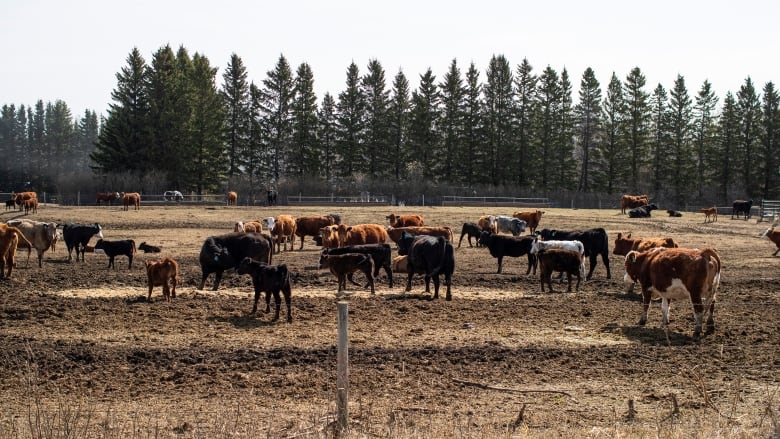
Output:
x=84 y=351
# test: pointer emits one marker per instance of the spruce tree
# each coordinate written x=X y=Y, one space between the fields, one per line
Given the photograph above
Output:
x=235 y=99
x=277 y=95
x=525 y=92
x=637 y=121
x=770 y=142
x=705 y=135
x=470 y=158
x=566 y=168
x=165 y=111
x=399 y=125
x=350 y=118
x=452 y=92
x=588 y=113
x=659 y=147
x=59 y=138
x=207 y=169
x=256 y=159
x=725 y=153
x=499 y=119
x=326 y=137
x=680 y=159
x=749 y=110
x=304 y=160
x=609 y=166
x=548 y=101
x=376 y=141
x=87 y=134
x=423 y=133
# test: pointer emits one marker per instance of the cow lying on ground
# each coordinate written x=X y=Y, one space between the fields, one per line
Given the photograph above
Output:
x=507 y=224
x=674 y=213
x=565 y=261
x=113 y=249
x=405 y=220
x=10 y=237
x=642 y=211
x=741 y=207
x=710 y=214
x=342 y=265
x=41 y=235
x=431 y=255
x=632 y=201
x=381 y=254
x=502 y=245
x=532 y=218
x=311 y=225
x=77 y=237
x=595 y=241
x=146 y=248
x=677 y=274
x=163 y=273
x=269 y=278
x=774 y=236
x=223 y=252
x=395 y=233
x=472 y=231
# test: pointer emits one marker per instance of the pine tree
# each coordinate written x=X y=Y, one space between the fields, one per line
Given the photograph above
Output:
x=609 y=166
x=770 y=141
x=549 y=99
x=276 y=98
x=680 y=159
x=376 y=140
x=749 y=110
x=525 y=92
x=452 y=92
x=256 y=159
x=304 y=160
x=8 y=144
x=470 y=158
x=728 y=135
x=499 y=119
x=423 y=134
x=59 y=138
x=165 y=111
x=566 y=169
x=38 y=155
x=588 y=113
x=659 y=145
x=399 y=125
x=207 y=169
x=350 y=112
x=87 y=134
x=235 y=98
x=637 y=120
x=704 y=133
x=326 y=137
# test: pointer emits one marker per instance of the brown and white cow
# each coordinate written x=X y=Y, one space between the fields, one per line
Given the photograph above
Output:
x=625 y=244
x=131 y=199
x=774 y=236
x=487 y=223
x=532 y=218
x=632 y=201
x=677 y=274
x=251 y=226
x=361 y=234
x=394 y=233
x=311 y=225
x=405 y=220
x=165 y=273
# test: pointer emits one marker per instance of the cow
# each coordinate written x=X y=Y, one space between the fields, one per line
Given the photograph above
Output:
x=165 y=273
x=271 y=197
x=271 y=279
x=642 y=211
x=113 y=249
x=311 y=225
x=41 y=235
x=10 y=238
x=625 y=244
x=674 y=213
x=502 y=245
x=231 y=198
x=677 y=274
x=381 y=254
x=10 y=204
x=632 y=201
x=430 y=255
x=223 y=252
x=173 y=196
x=575 y=246
x=531 y=218
x=595 y=241
x=710 y=214
x=361 y=234
x=283 y=231
x=131 y=199
x=472 y=231
x=405 y=220
x=772 y=235
x=147 y=248
x=509 y=224
x=21 y=197
x=248 y=226
x=395 y=233
x=741 y=207
x=342 y=265
x=329 y=236
x=487 y=223
x=565 y=261
x=31 y=205
x=106 y=197
x=77 y=237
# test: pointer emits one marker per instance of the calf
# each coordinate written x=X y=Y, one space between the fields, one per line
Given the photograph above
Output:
x=77 y=237
x=501 y=246
x=741 y=207
x=487 y=223
x=405 y=220
x=532 y=218
x=146 y=248
x=248 y=226
x=342 y=265
x=710 y=214
x=283 y=231
x=381 y=254
x=329 y=237
x=774 y=236
x=223 y=252
x=677 y=274
x=472 y=231
x=642 y=211
x=269 y=278
x=674 y=213
x=595 y=241
x=430 y=255
x=115 y=248
x=558 y=259
x=162 y=273
x=10 y=204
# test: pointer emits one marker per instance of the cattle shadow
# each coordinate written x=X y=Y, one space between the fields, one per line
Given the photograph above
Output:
x=648 y=335
x=247 y=321
x=428 y=297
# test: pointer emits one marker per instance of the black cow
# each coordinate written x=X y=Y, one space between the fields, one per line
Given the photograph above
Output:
x=113 y=249
x=513 y=246
x=595 y=241
x=642 y=211
x=223 y=252
x=146 y=248
x=269 y=278
x=10 y=204
x=674 y=213
x=77 y=236
x=271 y=196
x=741 y=207
x=380 y=253
x=431 y=255
x=471 y=230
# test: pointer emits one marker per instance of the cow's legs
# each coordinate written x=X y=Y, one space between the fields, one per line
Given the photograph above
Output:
x=277 y=303
x=776 y=251
x=500 y=261
x=436 y=286
x=217 y=280
x=698 y=314
x=409 y=278
x=645 y=307
x=593 y=261
x=711 y=318
x=605 y=259
x=568 y=276
x=389 y=272
x=448 y=282
x=665 y=305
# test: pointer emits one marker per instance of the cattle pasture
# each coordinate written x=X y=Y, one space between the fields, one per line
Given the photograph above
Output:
x=501 y=359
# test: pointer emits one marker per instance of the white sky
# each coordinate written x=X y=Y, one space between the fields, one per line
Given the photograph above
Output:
x=72 y=49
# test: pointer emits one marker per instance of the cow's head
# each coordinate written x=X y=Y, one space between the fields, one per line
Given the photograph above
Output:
x=323 y=259
x=405 y=243
x=634 y=261
x=99 y=233
x=245 y=266
x=623 y=245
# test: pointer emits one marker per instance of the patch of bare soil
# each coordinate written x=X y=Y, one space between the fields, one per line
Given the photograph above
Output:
x=501 y=358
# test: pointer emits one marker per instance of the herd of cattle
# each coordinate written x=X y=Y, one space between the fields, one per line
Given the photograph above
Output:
x=659 y=265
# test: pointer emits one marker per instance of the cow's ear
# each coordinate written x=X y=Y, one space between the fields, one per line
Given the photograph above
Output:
x=620 y=235
x=629 y=235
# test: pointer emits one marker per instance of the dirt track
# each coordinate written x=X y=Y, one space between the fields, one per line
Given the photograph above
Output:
x=80 y=333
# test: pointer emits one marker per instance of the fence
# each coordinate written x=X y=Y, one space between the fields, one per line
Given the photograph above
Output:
x=364 y=199
x=451 y=200
x=769 y=210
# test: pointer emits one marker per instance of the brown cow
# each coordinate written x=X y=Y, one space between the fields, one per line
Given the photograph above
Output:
x=131 y=199
x=231 y=198
x=361 y=234
x=10 y=237
x=565 y=261
x=774 y=236
x=329 y=236
x=488 y=223
x=248 y=226
x=21 y=197
x=283 y=231
x=311 y=225
x=405 y=220
x=106 y=197
x=710 y=214
x=625 y=244
x=394 y=233
x=342 y=265
x=677 y=274
x=31 y=205
x=632 y=201
x=531 y=217
x=159 y=273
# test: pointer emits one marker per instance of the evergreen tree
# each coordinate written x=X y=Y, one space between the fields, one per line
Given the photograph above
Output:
x=470 y=157
x=637 y=120
x=549 y=98
x=588 y=112
x=235 y=99
x=165 y=111
x=87 y=135
x=256 y=159
x=304 y=159
x=38 y=156
x=376 y=141
x=276 y=99
x=659 y=145
x=8 y=144
x=770 y=141
x=704 y=134
x=749 y=110
x=452 y=92
x=525 y=92
x=681 y=159
x=499 y=119
x=399 y=125
x=565 y=169
x=326 y=137
x=609 y=166
x=423 y=134
x=59 y=138
x=728 y=135
x=207 y=169
x=350 y=118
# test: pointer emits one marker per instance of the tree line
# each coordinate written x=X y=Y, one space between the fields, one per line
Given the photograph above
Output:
x=516 y=128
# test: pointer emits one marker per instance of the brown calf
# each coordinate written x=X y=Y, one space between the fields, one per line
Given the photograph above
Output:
x=283 y=231
x=557 y=259
x=710 y=214
x=405 y=220
x=342 y=265
x=632 y=201
x=159 y=273
x=231 y=198
x=131 y=199
x=361 y=234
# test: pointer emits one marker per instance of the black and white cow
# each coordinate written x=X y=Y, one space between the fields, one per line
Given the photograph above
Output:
x=595 y=241
x=77 y=237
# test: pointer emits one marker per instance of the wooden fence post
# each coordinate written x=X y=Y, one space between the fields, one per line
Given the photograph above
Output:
x=342 y=360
